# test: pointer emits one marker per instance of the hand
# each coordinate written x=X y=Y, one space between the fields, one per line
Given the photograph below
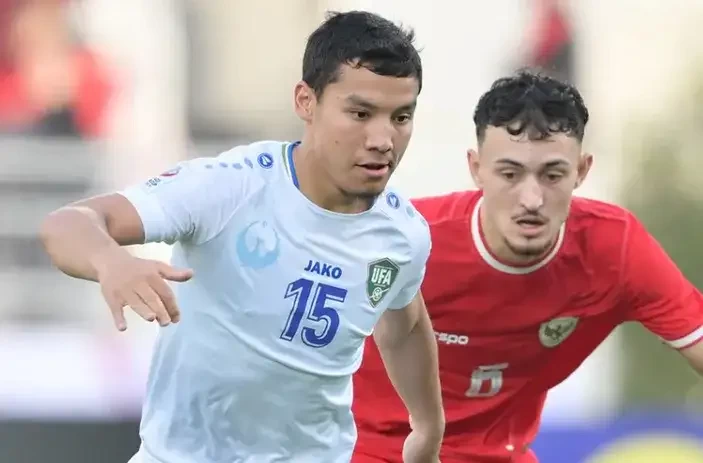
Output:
x=126 y=280
x=421 y=448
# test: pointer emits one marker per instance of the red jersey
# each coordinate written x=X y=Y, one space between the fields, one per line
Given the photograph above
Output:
x=506 y=335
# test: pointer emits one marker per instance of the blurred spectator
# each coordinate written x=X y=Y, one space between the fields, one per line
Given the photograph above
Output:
x=49 y=85
x=552 y=48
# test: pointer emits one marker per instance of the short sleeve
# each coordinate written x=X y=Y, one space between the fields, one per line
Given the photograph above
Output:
x=416 y=272
x=657 y=293
x=192 y=202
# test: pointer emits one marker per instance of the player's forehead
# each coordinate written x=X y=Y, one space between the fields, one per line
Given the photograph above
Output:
x=501 y=148
x=358 y=86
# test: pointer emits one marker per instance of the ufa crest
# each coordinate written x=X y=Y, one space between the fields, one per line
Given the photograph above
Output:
x=382 y=274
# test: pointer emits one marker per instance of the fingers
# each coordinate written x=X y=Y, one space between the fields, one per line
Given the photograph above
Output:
x=144 y=291
x=153 y=302
x=116 y=309
x=175 y=274
x=163 y=290
x=135 y=302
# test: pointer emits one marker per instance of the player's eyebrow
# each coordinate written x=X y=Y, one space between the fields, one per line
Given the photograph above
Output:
x=546 y=165
x=510 y=162
x=407 y=108
x=556 y=163
x=356 y=100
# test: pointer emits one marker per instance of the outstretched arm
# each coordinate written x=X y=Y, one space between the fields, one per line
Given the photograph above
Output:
x=190 y=203
x=77 y=236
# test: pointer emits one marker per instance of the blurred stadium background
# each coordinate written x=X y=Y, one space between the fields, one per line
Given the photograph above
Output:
x=97 y=94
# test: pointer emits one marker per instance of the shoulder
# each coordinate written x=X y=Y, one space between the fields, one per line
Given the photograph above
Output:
x=598 y=219
x=263 y=160
x=241 y=168
x=584 y=209
x=451 y=207
x=407 y=222
x=609 y=227
x=448 y=217
x=600 y=230
x=234 y=174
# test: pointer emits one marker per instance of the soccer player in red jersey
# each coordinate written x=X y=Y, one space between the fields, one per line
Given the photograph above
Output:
x=524 y=281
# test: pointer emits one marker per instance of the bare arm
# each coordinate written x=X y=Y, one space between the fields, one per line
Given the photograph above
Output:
x=406 y=341
x=694 y=355
x=191 y=203
x=78 y=236
x=84 y=241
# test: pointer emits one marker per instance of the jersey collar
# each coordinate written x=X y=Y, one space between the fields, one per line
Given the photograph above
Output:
x=500 y=266
x=288 y=162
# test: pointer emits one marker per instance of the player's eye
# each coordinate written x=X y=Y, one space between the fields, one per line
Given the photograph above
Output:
x=360 y=115
x=509 y=175
x=403 y=118
x=554 y=177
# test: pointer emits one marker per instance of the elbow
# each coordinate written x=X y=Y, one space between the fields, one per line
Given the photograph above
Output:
x=54 y=230
x=48 y=231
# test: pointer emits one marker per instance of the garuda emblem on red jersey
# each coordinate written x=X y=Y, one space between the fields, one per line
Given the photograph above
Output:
x=555 y=331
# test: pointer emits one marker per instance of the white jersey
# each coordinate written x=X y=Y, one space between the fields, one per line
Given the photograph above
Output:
x=273 y=322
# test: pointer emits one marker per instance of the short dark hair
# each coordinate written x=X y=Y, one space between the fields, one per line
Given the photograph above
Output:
x=532 y=103
x=359 y=39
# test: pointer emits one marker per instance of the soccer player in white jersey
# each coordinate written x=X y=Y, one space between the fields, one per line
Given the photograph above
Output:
x=286 y=257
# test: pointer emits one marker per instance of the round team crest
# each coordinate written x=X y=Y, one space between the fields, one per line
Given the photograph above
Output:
x=555 y=331
x=265 y=160
x=393 y=200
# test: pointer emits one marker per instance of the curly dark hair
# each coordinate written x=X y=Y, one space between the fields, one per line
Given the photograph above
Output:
x=533 y=104
x=359 y=39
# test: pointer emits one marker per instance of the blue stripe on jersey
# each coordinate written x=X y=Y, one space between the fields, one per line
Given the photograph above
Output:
x=293 y=175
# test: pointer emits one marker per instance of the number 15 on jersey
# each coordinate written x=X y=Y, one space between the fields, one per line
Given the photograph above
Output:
x=319 y=319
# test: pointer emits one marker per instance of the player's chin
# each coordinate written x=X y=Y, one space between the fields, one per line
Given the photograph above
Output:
x=370 y=187
x=529 y=246
x=368 y=192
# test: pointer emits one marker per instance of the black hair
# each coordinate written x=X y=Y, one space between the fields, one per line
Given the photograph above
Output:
x=359 y=39
x=533 y=104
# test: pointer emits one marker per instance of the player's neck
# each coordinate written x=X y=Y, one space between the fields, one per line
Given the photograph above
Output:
x=319 y=188
x=500 y=251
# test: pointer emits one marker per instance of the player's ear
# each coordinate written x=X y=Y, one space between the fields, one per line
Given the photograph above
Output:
x=584 y=167
x=474 y=164
x=304 y=98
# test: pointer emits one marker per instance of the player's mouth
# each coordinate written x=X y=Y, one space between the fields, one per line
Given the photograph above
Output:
x=531 y=226
x=376 y=169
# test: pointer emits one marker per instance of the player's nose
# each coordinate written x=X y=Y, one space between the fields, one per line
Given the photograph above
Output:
x=379 y=137
x=531 y=195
